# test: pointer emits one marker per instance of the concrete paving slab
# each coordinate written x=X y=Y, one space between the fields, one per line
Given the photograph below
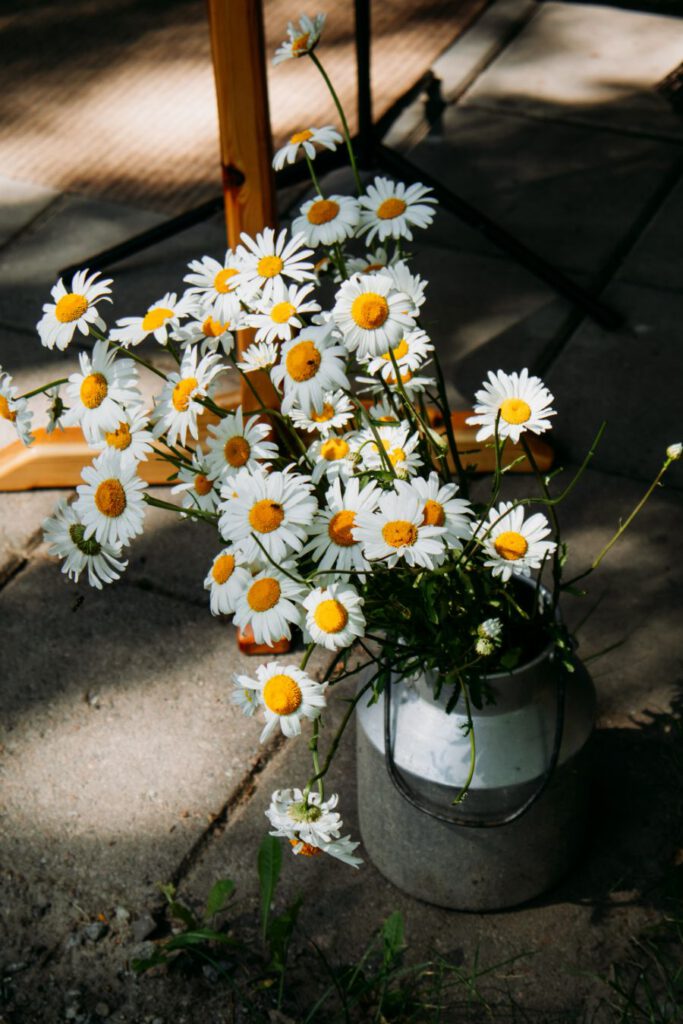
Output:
x=621 y=377
x=570 y=193
x=655 y=259
x=589 y=64
x=21 y=518
x=21 y=201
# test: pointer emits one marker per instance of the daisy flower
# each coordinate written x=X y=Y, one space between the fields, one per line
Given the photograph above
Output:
x=410 y=353
x=270 y=603
x=246 y=699
x=281 y=315
x=327 y=221
x=197 y=486
x=99 y=393
x=76 y=309
x=523 y=403
x=397 y=531
x=227 y=578
x=64 y=534
x=390 y=209
x=513 y=545
x=160 y=320
x=311 y=364
x=311 y=824
x=261 y=355
x=213 y=285
x=306 y=140
x=441 y=507
x=301 y=39
x=333 y=545
x=287 y=694
x=383 y=412
x=14 y=409
x=334 y=616
x=371 y=314
x=277 y=509
x=110 y=502
x=376 y=261
x=178 y=405
x=231 y=444
x=210 y=334
x=412 y=284
x=267 y=260
x=130 y=436
x=336 y=412
x=400 y=446
x=333 y=456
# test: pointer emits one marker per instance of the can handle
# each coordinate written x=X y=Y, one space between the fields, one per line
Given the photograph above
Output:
x=455 y=819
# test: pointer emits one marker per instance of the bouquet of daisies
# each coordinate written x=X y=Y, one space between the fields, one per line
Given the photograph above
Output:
x=343 y=510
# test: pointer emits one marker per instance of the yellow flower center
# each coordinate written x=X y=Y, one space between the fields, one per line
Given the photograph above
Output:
x=119 y=438
x=156 y=317
x=331 y=616
x=391 y=208
x=266 y=515
x=399 y=533
x=340 y=526
x=5 y=411
x=433 y=514
x=334 y=448
x=515 y=410
x=370 y=310
x=237 y=451
x=269 y=266
x=303 y=136
x=110 y=498
x=281 y=312
x=264 y=594
x=202 y=484
x=303 y=361
x=396 y=455
x=223 y=568
x=400 y=351
x=300 y=44
x=220 y=281
x=94 y=390
x=71 y=307
x=212 y=328
x=307 y=850
x=326 y=414
x=323 y=211
x=511 y=545
x=282 y=694
x=182 y=393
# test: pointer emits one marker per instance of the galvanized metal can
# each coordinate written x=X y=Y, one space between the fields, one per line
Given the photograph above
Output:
x=522 y=823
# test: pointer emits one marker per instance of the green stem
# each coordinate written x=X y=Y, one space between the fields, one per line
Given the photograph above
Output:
x=341 y=262
x=197 y=513
x=446 y=413
x=473 y=747
x=309 y=652
x=410 y=408
x=314 y=179
x=557 y=566
x=139 y=359
x=342 y=117
x=381 y=450
x=45 y=387
x=321 y=772
x=284 y=572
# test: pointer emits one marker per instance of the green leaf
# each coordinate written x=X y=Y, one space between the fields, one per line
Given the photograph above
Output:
x=198 y=937
x=182 y=913
x=280 y=931
x=269 y=864
x=156 y=960
x=392 y=936
x=218 y=897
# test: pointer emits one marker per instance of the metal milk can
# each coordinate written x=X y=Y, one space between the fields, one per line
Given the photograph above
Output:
x=522 y=822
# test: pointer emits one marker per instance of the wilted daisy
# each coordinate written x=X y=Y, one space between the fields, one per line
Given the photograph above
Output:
x=130 y=437
x=515 y=545
x=397 y=531
x=371 y=314
x=306 y=141
x=178 y=405
x=14 y=409
x=213 y=285
x=269 y=259
x=64 y=533
x=210 y=334
x=197 y=486
x=441 y=507
x=232 y=444
x=336 y=412
x=333 y=456
x=301 y=39
x=270 y=604
x=161 y=320
x=71 y=310
x=277 y=509
x=489 y=637
x=327 y=221
x=334 y=616
x=311 y=364
x=400 y=448
x=55 y=409
x=280 y=316
x=287 y=694
x=98 y=395
x=389 y=209
x=519 y=403
x=260 y=355
x=110 y=502
x=333 y=545
x=227 y=578
x=410 y=353
x=311 y=824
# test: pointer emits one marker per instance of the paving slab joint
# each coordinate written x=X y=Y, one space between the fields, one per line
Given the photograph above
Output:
x=41 y=217
x=19 y=561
